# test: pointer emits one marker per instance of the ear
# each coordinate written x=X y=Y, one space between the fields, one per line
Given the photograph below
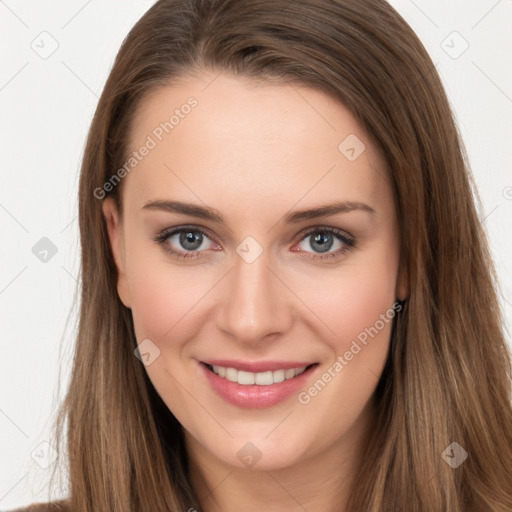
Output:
x=402 y=289
x=116 y=237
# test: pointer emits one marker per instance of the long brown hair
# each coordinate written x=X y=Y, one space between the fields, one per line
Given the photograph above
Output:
x=447 y=377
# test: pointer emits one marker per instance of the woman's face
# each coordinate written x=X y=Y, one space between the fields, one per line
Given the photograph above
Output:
x=253 y=282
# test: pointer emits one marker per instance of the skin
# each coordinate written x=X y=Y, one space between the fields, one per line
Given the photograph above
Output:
x=255 y=152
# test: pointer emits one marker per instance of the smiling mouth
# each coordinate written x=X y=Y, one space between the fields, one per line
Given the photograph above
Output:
x=261 y=378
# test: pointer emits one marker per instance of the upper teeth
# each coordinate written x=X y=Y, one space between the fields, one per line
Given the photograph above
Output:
x=261 y=379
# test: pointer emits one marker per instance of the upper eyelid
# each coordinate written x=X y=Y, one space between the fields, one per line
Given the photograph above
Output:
x=332 y=229
x=178 y=229
x=299 y=237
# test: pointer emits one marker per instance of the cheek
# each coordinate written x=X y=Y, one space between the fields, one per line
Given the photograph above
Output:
x=358 y=307
x=366 y=296
x=163 y=302
x=353 y=297
x=165 y=305
x=356 y=302
x=166 y=298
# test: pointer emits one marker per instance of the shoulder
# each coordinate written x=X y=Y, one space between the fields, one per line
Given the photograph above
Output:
x=55 y=506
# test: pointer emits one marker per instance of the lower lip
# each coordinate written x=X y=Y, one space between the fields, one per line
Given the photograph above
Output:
x=254 y=396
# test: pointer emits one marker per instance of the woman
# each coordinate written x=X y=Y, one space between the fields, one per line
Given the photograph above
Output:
x=248 y=369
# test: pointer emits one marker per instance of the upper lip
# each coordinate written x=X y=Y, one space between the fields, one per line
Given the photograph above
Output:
x=257 y=366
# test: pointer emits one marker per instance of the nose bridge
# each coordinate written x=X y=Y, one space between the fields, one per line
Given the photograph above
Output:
x=254 y=305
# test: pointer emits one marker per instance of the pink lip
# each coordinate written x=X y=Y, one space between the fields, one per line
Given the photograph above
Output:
x=254 y=396
x=256 y=367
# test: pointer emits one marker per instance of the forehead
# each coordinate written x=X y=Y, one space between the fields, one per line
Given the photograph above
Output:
x=239 y=142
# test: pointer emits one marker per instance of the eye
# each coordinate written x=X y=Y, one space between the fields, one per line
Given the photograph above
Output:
x=323 y=239
x=184 y=242
x=188 y=242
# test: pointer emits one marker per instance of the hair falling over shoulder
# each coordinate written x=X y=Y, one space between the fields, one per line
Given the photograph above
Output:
x=447 y=377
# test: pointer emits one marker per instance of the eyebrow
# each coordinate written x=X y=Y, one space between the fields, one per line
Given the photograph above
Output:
x=204 y=212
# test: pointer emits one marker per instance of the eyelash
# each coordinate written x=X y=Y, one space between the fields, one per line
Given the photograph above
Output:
x=162 y=237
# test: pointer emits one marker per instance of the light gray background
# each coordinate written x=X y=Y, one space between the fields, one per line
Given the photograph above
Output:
x=47 y=102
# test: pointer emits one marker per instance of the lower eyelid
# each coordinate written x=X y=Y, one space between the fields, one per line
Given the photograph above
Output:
x=164 y=236
x=347 y=244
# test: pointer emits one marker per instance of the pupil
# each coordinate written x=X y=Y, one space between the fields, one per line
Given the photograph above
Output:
x=189 y=237
x=322 y=241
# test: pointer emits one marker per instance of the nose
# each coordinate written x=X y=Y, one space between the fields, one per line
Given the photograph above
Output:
x=255 y=304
